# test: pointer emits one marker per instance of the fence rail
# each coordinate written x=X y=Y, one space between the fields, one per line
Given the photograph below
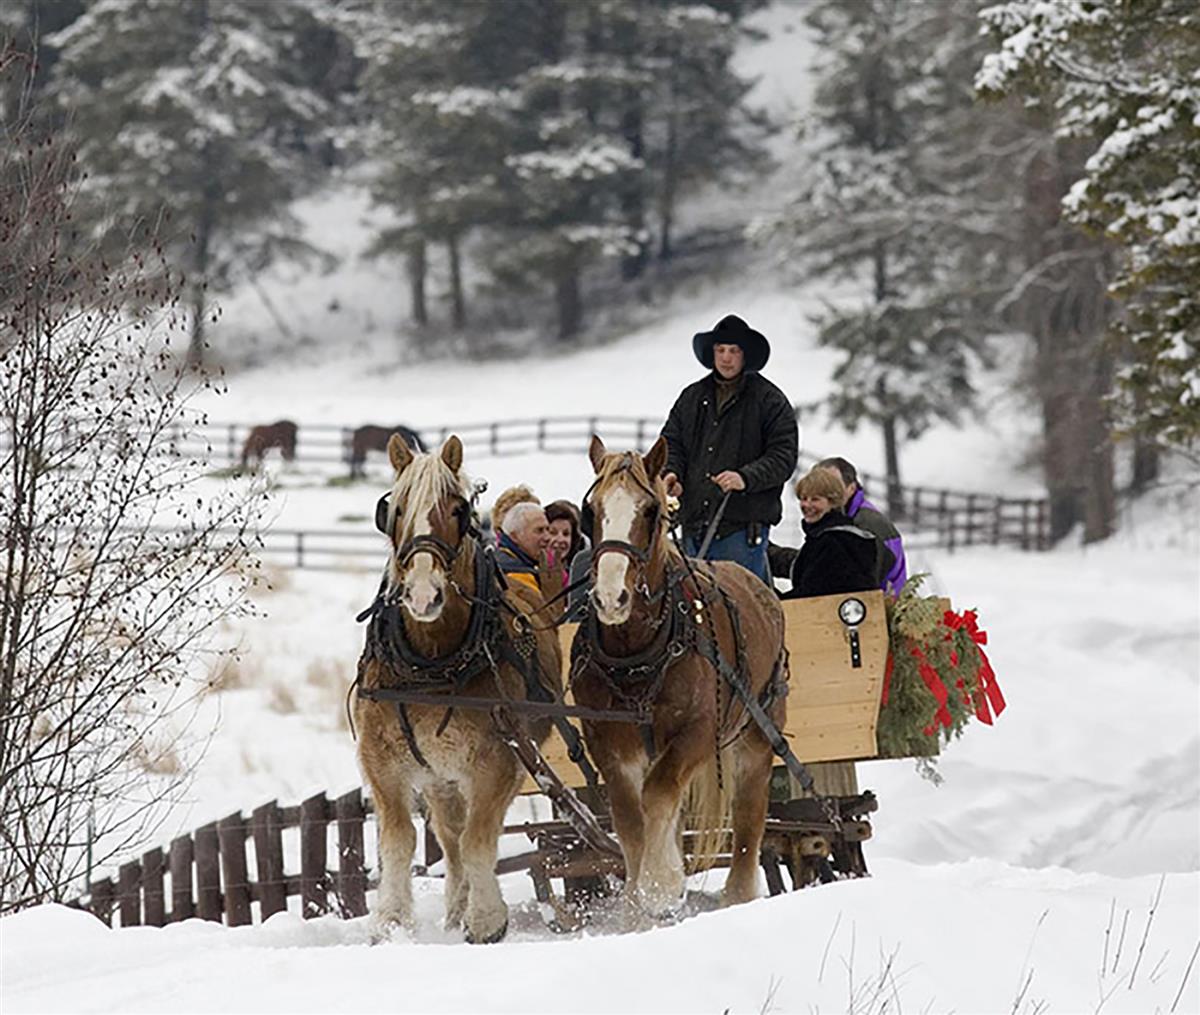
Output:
x=931 y=515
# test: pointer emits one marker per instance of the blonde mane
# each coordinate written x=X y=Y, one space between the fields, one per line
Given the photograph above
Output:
x=419 y=487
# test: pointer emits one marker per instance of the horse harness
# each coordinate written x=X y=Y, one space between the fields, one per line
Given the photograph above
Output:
x=487 y=644
x=684 y=624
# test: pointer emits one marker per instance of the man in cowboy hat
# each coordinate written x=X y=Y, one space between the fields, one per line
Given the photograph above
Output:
x=731 y=431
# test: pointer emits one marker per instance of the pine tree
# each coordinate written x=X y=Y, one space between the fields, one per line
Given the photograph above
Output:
x=1124 y=75
x=892 y=199
x=201 y=108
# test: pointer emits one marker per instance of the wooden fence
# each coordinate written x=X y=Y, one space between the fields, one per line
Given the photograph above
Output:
x=235 y=871
x=207 y=873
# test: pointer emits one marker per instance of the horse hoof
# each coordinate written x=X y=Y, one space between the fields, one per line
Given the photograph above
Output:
x=489 y=939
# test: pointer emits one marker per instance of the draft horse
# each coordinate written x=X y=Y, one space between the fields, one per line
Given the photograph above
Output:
x=260 y=439
x=666 y=637
x=443 y=623
x=370 y=437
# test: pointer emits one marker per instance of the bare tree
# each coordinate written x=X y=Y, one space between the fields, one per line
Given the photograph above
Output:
x=116 y=563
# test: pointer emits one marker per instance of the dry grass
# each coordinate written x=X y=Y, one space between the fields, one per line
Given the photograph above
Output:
x=332 y=680
x=156 y=757
x=282 y=699
x=231 y=673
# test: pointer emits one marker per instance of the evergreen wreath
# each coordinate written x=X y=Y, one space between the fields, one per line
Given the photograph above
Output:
x=937 y=677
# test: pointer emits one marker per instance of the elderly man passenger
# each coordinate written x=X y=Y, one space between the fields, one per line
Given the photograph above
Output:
x=524 y=536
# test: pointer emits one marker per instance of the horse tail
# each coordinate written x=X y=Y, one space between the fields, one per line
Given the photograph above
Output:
x=707 y=812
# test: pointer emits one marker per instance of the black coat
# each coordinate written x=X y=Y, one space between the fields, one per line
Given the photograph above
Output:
x=755 y=435
x=836 y=557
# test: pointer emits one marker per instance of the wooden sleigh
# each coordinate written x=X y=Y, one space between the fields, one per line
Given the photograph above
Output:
x=837 y=674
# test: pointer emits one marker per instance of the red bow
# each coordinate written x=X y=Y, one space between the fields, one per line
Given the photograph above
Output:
x=936 y=688
x=989 y=693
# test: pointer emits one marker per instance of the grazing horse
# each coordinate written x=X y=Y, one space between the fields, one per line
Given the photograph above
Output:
x=657 y=630
x=370 y=437
x=443 y=623
x=281 y=434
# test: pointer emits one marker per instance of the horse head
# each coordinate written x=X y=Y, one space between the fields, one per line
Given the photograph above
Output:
x=628 y=511
x=427 y=517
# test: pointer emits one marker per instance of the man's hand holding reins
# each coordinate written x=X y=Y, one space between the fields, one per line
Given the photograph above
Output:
x=729 y=480
x=674 y=487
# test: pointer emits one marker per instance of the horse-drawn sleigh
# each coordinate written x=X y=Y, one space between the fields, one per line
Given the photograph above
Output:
x=683 y=676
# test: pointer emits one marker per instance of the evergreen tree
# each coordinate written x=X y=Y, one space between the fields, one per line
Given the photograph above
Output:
x=1124 y=75
x=439 y=121
x=201 y=108
x=893 y=199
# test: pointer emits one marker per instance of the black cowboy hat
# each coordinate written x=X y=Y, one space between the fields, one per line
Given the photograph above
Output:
x=732 y=330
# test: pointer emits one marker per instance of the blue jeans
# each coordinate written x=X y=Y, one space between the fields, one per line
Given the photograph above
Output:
x=736 y=547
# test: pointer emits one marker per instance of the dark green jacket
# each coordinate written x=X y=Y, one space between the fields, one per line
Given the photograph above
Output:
x=755 y=435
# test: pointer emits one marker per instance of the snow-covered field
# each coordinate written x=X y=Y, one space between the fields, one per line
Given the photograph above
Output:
x=1056 y=869
x=1007 y=888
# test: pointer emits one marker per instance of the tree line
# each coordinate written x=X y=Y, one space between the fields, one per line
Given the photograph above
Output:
x=525 y=140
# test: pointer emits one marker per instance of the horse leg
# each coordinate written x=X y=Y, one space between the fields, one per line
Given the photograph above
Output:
x=661 y=877
x=494 y=784
x=397 y=843
x=447 y=816
x=624 y=780
x=752 y=766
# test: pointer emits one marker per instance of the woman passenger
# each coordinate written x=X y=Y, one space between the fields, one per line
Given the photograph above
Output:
x=565 y=537
x=836 y=555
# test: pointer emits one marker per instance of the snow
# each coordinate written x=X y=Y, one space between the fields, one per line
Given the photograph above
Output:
x=1050 y=832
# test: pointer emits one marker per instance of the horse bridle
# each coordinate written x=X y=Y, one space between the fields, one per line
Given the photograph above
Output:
x=639 y=556
x=439 y=549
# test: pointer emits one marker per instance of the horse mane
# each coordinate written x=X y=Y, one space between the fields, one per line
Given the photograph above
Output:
x=422 y=484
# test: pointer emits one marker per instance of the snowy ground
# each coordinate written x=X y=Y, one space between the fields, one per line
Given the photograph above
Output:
x=1000 y=890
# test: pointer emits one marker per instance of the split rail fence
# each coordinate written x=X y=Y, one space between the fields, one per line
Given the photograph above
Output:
x=931 y=515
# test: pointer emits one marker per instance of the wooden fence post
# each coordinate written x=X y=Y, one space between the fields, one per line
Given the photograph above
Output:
x=153 y=899
x=182 y=905
x=208 y=873
x=268 y=855
x=541 y=434
x=969 y=539
x=232 y=444
x=1025 y=524
x=314 y=821
x=494 y=438
x=102 y=899
x=352 y=877
x=1041 y=525
x=997 y=521
x=916 y=508
x=129 y=893
x=299 y=549
x=231 y=834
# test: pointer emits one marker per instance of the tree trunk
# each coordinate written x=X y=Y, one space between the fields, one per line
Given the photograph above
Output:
x=415 y=265
x=458 y=306
x=891 y=454
x=569 y=301
x=1067 y=309
x=195 y=353
x=666 y=204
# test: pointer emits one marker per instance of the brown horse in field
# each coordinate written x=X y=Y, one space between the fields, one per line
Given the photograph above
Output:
x=444 y=624
x=656 y=626
x=370 y=437
x=281 y=434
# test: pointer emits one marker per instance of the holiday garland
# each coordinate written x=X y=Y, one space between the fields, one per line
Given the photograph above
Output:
x=937 y=677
